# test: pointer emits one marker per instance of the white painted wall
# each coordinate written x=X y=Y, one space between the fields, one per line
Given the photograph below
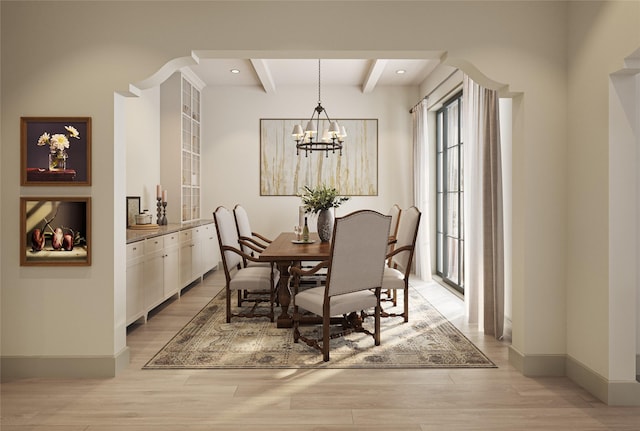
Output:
x=231 y=147
x=143 y=147
x=506 y=121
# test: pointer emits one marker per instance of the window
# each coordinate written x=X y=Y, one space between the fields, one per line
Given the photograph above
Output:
x=450 y=194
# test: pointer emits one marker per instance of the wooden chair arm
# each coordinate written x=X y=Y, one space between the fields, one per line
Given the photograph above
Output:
x=252 y=244
x=398 y=250
x=263 y=238
x=244 y=255
x=297 y=271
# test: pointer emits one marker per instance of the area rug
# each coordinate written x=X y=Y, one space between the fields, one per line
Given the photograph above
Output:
x=428 y=340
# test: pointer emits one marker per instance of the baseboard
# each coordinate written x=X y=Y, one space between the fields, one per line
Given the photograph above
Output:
x=610 y=392
x=20 y=367
x=537 y=365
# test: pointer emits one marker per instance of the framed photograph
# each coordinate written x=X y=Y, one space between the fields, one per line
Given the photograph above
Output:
x=55 y=151
x=133 y=208
x=55 y=231
x=285 y=173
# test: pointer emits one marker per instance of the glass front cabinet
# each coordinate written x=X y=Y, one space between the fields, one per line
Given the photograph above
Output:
x=180 y=141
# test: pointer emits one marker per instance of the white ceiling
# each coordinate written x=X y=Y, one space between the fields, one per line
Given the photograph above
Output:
x=273 y=73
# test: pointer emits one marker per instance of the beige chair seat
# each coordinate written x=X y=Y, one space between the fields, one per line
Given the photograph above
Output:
x=392 y=279
x=253 y=278
x=311 y=300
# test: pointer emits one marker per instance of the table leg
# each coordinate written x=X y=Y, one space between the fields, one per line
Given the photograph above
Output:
x=284 y=295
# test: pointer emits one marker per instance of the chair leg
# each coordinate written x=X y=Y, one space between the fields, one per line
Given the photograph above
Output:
x=325 y=337
x=377 y=325
x=228 y=305
x=296 y=324
x=406 y=302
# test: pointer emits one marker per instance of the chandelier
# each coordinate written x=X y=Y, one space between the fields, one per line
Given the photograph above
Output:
x=332 y=137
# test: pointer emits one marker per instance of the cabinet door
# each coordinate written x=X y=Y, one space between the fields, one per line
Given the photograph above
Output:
x=153 y=280
x=210 y=255
x=196 y=255
x=186 y=257
x=171 y=272
x=135 y=282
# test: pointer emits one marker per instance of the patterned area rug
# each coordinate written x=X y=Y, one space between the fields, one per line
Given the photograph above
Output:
x=428 y=340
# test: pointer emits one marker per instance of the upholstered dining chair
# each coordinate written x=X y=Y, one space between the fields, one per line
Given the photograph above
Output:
x=251 y=243
x=396 y=274
x=395 y=212
x=354 y=277
x=255 y=279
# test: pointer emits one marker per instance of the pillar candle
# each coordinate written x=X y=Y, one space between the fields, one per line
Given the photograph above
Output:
x=158 y=191
x=164 y=196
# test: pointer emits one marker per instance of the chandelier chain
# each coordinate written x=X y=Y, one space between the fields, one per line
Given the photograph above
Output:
x=319 y=99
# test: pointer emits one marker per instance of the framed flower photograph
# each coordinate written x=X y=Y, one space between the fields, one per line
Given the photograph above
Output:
x=55 y=231
x=55 y=151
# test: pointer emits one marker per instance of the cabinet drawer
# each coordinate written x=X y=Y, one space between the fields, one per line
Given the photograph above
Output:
x=186 y=235
x=152 y=245
x=135 y=250
x=171 y=239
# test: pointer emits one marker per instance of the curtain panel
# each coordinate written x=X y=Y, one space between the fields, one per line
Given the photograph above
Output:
x=484 y=241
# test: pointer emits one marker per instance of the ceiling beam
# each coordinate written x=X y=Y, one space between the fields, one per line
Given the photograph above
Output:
x=264 y=75
x=375 y=71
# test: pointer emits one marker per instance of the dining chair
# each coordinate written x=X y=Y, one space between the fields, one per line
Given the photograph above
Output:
x=396 y=274
x=255 y=279
x=251 y=243
x=395 y=212
x=354 y=277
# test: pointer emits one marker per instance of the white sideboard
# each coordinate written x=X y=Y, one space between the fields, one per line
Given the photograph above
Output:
x=160 y=263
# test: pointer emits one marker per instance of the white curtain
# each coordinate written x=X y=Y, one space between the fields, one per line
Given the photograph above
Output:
x=483 y=224
x=422 y=256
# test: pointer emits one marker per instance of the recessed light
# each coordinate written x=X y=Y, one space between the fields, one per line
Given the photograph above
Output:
x=236 y=71
x=401 y=71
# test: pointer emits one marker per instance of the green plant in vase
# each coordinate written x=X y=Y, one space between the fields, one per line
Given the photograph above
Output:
x=319 y=201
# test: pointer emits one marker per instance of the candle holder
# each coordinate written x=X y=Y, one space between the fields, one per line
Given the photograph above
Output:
x=159 y=211
x=163 y=220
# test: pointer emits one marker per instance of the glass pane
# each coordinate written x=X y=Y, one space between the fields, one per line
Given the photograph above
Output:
x=195 y=170
x=195 y=147
x=186 y=203
x=461 y=147
x=186 y=97
x=439 y=132
x=452 y=169
x=195 y=204
x=439 y=212
x=452 y=124
x=186 y=133
x=186 y=168
x=439 y=173
x=196 y=105
x=452 y=215
x=452 y=260
x=439 y=254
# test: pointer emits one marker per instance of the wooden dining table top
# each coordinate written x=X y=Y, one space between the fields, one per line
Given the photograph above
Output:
x=283 y=248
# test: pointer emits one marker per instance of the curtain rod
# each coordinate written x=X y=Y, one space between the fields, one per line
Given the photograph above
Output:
x=434 y=90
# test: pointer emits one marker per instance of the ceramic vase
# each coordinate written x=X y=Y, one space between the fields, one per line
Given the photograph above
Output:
x=325 y=224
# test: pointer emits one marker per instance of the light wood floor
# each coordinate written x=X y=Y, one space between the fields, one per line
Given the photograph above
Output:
x=304 y=400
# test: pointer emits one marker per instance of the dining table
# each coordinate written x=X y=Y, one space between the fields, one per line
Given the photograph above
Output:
x=285 y=251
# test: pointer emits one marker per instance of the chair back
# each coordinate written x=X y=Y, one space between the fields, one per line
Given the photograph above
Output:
x=227 y=236
x=395 y=213
x=406 y=237
x=358 y=252
x=243 y=226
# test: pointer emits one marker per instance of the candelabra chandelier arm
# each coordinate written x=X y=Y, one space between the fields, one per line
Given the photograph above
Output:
x=332 y=138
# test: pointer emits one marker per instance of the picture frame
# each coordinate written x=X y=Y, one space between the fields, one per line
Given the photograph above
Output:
x=133 y=208
x=52 y=153
x=283 y=172
x=55 y=231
